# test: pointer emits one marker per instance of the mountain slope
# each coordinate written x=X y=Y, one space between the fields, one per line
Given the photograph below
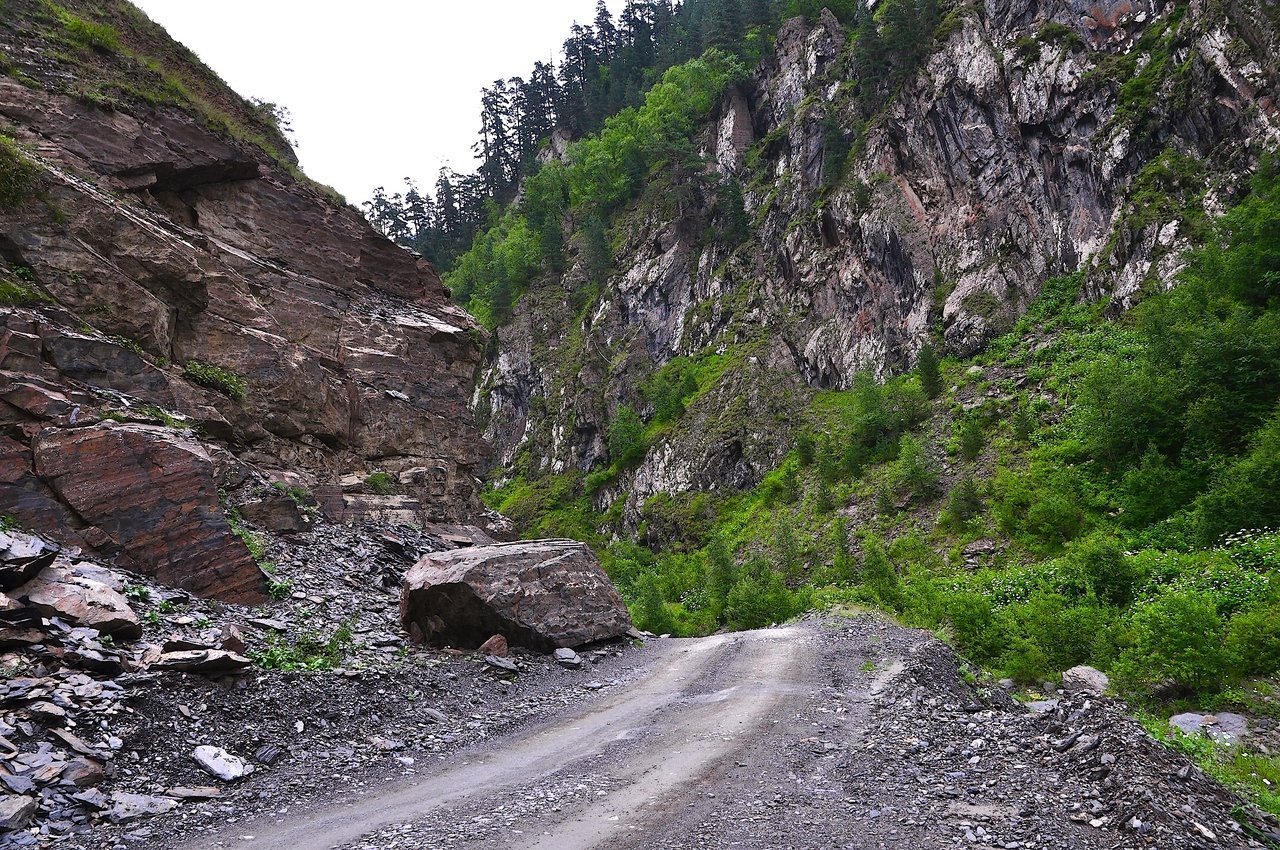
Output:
x=1018 y=152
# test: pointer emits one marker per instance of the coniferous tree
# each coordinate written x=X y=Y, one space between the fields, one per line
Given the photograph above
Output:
x=927 y=368
x=606 y=33
x=496 y=148
x=724 y=25
x=870 y=61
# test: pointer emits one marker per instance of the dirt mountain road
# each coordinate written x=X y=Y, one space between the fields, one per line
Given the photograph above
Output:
x=829 y=734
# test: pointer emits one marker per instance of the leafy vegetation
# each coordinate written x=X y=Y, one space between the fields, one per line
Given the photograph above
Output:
x=308 y=652
x=382 y=483
x=1255 y=776
x=216 y=378
x=602 y=172
x=88 y=34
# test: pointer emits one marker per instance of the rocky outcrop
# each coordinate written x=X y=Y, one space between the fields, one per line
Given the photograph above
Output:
x=540 y=594
x=148 y=500
x=169 y=265
x=1018 y=152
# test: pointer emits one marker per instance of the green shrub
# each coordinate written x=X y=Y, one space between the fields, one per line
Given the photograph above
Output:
x=216 y=378
x=973 y=623
x=254 y=542
x=626 y=437
x=914 y=471
x=929 y=371
x=1253 y=641
x=970 y=438
x=15 y=294
x=651 y=609
x=1178 y=638
x=382 y=483
x=309 y=652
x=1036 y=510
x=964 y=503
x=879 y=574
x=1243 y=494
x=1063 y=634
x=668 y=389
x=1109 y=574
x=279 y=589
x=758 y=599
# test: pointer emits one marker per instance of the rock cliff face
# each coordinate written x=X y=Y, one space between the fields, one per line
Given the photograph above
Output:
x=185 y=312
x=1041 y=138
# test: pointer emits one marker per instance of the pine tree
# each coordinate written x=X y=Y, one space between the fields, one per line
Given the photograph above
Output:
x=722 y=572
x=606 y=33
x=496 y=148
x=870 y=62
x=928 y=369
x=724 y=28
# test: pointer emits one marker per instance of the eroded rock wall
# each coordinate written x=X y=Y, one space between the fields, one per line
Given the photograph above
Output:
x=160 y=231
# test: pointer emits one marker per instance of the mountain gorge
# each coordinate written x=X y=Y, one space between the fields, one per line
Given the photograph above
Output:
x=886 y=397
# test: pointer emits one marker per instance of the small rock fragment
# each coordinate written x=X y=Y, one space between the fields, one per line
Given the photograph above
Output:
x=220 y=763
x=496 y=645
x=568 y=658
x=505 y=665
x=127 y=807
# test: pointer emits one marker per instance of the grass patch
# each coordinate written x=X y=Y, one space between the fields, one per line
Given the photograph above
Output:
x=382 y=483
x=216 y=378
x=17 y=174
x=87 y=34
x=14 y=294
x=309 y=652
x=1254 y=776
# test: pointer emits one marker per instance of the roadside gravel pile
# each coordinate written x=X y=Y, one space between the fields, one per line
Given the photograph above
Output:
x=1079 y=773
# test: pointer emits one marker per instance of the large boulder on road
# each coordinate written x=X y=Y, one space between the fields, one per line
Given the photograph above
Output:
x=540 y=594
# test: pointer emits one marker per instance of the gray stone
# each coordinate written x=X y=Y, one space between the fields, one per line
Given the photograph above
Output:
x=1084 y=679
x=59 y=591
x=1225 y=728
x=205 y=661
x=505 y=665
x=16 y=811
x=541 y=594
x=127 y=807
x=566 y=657
x=22 y=556
x=268 y=754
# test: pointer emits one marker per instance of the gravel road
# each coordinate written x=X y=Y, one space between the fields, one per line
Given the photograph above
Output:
x=832 y=733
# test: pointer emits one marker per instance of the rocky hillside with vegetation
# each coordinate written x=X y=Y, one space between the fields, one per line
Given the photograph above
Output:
x=966 y=312
x=188 y=318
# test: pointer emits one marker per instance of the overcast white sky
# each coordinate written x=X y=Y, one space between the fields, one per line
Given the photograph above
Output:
x=379 y=89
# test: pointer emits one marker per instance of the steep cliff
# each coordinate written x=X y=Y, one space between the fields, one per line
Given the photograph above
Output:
x=1037 y=139
x=184 y=313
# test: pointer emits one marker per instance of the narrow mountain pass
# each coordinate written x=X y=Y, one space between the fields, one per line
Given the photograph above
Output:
x=830 y=733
